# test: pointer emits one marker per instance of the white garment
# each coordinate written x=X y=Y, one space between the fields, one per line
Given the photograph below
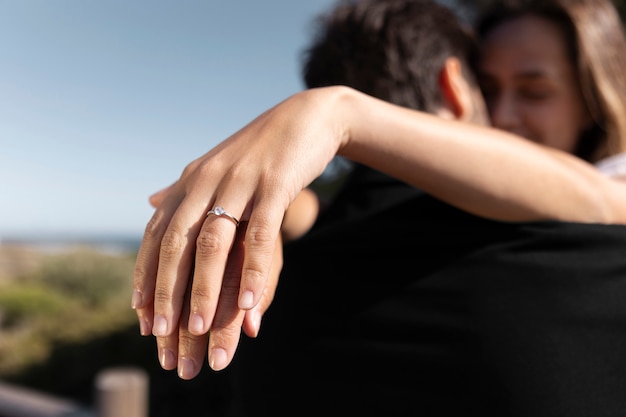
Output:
x=613 y=166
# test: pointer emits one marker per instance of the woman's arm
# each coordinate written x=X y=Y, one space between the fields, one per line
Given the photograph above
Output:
x=479 y=169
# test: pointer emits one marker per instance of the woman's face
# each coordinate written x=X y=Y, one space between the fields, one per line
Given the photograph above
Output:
x=530 y=84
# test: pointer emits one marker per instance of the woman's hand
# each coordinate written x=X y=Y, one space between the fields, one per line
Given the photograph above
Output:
x=186 y=351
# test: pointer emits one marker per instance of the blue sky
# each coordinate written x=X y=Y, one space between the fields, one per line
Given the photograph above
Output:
x=104 y=102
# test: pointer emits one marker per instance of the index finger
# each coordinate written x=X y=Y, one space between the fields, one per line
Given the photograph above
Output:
x=146 y=265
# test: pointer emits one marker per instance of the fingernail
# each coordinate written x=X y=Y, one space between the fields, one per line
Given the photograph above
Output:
x=144 y=327
x=160 y=326
x=167 y=359
x=186 y=368
x=246 y=301
x=218 y=359
x=137 y=299
x=196 y=324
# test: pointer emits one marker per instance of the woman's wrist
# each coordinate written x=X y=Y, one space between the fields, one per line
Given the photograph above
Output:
x=335 y=108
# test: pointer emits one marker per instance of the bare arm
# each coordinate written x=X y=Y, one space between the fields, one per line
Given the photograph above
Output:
x=481 y=170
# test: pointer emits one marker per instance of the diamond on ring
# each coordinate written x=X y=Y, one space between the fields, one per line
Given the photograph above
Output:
x=220 y=212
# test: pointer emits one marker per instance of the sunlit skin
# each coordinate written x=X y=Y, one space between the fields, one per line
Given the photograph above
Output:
x=530 y=83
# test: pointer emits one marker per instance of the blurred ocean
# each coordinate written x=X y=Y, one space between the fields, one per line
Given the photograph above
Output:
x=114 y=244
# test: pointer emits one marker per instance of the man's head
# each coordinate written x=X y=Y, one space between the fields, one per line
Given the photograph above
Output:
x=413 y=53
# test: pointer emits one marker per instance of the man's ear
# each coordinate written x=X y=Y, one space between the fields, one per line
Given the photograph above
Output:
x=456 y=92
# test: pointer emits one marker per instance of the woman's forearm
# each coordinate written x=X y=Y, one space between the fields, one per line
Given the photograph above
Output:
x=479 y=169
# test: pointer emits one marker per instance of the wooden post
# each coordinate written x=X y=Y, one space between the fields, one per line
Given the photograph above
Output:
x=122 y=392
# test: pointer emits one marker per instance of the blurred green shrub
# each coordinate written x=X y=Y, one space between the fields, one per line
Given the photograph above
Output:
x=89 y=276
x=19 y=303
x=70 y=297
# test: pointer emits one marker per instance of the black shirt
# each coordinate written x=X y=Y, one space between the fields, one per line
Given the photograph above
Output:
x=397 y=304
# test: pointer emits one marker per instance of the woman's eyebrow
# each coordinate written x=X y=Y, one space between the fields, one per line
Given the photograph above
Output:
x=533 y=74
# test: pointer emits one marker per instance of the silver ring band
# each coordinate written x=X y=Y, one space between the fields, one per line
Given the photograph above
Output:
x=220 y=212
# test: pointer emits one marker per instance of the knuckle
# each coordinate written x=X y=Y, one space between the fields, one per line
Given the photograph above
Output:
x=191 y=168
x=258 y=240
x=210 y=243
x=189 y=343
x=166 y=342
x=152 y=231
x=200 y=295
x=188 y=170
x=201 y=291
x=259 y=237
x=140 y=272
x=204 y=168
x=162 y=294
x=254 y=272
x=172 y=244
x=145 y=266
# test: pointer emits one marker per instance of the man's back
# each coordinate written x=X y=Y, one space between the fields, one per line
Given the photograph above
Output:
x=444 y=314
x=358 y=325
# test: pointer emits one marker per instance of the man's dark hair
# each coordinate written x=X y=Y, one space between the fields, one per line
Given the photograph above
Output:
x=390 y=49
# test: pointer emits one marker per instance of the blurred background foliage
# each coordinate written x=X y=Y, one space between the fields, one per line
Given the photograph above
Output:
x=57 y=298
x=65 y=316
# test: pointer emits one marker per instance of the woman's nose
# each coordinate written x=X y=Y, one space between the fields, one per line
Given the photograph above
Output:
x=504 y=112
